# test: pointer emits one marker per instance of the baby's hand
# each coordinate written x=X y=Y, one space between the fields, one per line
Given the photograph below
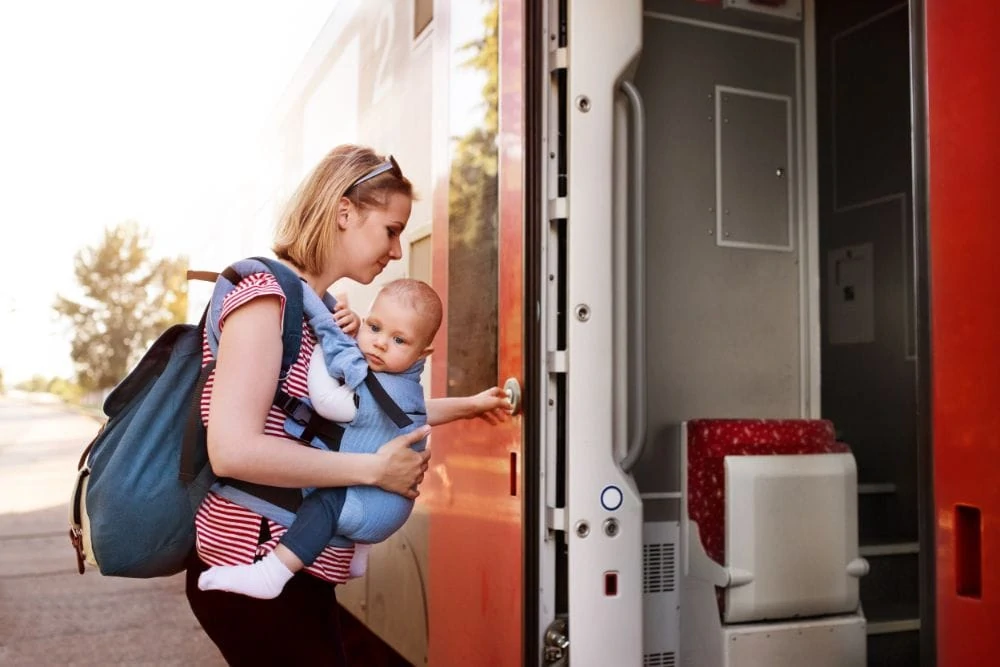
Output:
x=491 y=405
x=346 y=319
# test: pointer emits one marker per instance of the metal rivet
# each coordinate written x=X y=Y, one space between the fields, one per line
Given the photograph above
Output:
x=583 y=103
x=711 y=232
x=611 y=527
x=552 y=402
x=583 y=312
x=779 y=172
x=582 y=529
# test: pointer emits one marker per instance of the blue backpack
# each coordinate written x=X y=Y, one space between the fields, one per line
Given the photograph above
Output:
x=142 y=478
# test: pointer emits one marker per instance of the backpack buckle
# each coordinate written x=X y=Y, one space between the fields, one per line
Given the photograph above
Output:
x=76 y=539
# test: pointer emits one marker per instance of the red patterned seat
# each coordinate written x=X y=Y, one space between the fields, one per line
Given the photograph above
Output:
x=709 y=441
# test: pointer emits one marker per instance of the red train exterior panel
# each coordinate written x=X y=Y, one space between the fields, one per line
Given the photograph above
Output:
x=963 y=79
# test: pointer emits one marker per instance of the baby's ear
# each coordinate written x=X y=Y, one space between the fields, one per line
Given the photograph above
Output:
x=427 y=352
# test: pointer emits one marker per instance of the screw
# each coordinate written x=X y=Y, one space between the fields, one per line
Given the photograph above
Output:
x=583 y=312
x=611 y=527
x=583 y=103
x=582 y=529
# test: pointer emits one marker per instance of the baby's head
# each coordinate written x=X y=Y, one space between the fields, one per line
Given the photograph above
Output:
x=401 y=325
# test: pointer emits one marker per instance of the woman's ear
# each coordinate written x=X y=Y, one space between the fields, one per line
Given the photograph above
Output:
x=343 y=212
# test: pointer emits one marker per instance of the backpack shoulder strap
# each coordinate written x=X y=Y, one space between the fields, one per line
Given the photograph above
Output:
x=291 y=325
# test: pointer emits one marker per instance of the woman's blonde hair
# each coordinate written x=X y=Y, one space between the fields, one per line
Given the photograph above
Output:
x=307 y=231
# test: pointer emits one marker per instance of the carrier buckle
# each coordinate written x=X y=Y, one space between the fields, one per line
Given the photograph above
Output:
x=293 y=407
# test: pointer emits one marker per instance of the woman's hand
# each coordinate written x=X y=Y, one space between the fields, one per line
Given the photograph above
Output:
x=401 y=470
x=348 y=321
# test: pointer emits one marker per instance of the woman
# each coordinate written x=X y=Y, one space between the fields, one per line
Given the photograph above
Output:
x=344 y=222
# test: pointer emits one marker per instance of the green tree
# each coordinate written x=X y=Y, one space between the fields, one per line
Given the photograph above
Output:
x=128 y=299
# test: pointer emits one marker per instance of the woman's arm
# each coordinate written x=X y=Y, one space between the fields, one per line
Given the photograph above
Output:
x=490 y=405
x=248 y=364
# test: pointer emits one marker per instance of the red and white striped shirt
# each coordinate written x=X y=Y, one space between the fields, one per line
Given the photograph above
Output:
x=227 y=533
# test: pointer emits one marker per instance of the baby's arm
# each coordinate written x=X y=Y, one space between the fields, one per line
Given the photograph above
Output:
x=490 y=405
x=329 y=397
x=341 y=353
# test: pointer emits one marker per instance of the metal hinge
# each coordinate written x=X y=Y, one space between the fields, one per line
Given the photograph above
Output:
x=558 y=59
x=555 y=518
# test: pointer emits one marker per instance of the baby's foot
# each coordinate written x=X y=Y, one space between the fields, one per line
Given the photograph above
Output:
x=264 y=579
x=359 y=562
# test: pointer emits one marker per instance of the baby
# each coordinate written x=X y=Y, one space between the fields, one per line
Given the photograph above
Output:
x=392 y=342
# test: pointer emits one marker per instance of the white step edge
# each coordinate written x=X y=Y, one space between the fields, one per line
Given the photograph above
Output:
x=890 y=627
x=890 y=549
x=876 y=488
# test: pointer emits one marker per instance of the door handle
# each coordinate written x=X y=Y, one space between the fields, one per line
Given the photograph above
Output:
x=637 y=283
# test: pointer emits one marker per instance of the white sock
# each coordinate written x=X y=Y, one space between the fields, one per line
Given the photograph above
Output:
x=263 y=580
x=359 y=562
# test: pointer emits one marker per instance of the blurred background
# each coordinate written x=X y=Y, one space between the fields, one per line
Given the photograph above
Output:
x=131 y=136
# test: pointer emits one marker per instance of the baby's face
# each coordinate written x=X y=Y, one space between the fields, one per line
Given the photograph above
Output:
x=393 y=336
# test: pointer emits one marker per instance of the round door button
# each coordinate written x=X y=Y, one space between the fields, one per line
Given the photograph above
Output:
x=611 y=498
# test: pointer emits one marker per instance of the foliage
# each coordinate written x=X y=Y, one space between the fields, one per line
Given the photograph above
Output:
x=35 y=384
x=472 y=188
x=67 y=390
x=128 y=299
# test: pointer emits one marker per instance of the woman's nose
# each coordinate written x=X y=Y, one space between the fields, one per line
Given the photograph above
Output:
x=396 y=251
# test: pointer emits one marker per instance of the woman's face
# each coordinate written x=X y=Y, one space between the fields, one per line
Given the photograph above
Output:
x=369 y=241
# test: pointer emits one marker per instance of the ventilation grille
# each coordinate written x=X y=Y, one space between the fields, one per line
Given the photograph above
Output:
x=659 y=659
x=658 y=568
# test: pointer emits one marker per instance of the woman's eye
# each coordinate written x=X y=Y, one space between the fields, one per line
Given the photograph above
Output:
x=392 y=232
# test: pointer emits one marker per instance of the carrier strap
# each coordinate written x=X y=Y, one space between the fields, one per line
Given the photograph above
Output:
x=389 y=407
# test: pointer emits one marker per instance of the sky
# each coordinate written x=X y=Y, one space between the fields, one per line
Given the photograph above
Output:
x=115 y=110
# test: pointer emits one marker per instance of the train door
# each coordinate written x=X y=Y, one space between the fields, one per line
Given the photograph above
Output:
x=474 y=492
x=963 y=159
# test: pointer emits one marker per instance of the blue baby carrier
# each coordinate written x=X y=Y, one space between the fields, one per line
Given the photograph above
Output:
x=142 y=478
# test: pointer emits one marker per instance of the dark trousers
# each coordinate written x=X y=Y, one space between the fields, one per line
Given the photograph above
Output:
x=299 y=627
x=315 y=523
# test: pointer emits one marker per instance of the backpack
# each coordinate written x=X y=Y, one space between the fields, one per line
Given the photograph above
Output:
x=141 y=480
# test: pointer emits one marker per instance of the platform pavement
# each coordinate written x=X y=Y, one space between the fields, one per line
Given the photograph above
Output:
x=49 y=613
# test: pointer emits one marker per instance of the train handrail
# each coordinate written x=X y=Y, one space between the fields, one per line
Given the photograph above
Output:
x=637 y=291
